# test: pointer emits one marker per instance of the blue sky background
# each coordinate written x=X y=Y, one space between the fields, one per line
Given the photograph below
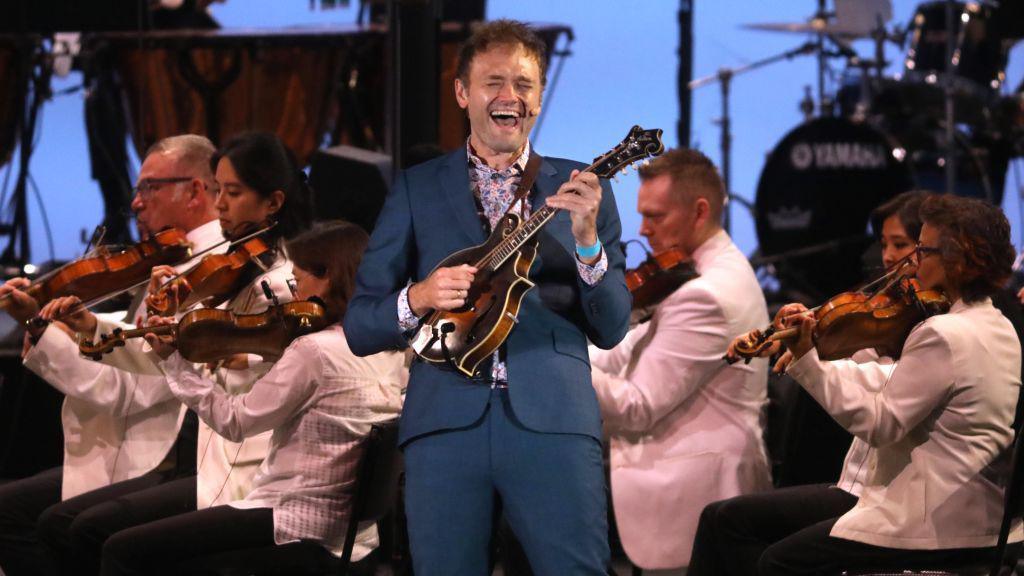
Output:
x=622 y=72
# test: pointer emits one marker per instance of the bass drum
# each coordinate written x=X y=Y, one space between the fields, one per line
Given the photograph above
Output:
x=814 y=199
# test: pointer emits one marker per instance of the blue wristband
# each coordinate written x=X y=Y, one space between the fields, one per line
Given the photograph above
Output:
x=589 y=251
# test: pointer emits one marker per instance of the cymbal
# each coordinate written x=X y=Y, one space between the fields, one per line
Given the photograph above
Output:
x=815 y=26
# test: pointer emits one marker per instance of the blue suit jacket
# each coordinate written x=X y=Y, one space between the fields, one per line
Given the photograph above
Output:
x=429 y=214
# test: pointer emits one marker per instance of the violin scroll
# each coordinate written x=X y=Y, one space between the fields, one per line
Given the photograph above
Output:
x=117 y=339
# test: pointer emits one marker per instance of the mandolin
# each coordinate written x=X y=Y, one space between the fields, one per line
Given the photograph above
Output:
x=466 y=336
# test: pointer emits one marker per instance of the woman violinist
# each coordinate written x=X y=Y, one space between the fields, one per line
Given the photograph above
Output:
x=319 y=399
x=940 y=421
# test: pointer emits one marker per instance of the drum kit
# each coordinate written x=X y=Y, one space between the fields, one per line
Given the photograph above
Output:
x=941 y=124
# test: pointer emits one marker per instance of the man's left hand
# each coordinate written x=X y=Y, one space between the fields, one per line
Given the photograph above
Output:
x=581 y=196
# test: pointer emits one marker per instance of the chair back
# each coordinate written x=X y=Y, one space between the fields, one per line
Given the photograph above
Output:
x=1006 y=556
x=376 y=482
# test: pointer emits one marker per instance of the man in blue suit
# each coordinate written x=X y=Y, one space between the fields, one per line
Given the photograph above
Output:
x=526 y=429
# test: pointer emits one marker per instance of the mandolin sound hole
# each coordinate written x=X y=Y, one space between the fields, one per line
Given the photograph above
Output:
x=471 y=335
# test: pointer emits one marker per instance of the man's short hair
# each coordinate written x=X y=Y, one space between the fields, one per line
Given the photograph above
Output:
x=192 y=152
x=693 y=176
x=507 y=32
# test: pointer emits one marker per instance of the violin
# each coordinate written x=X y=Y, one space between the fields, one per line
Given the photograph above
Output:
x=658 y=276
x=105 y=273
x=214 y=280
x=211 y=334
x=853 y=321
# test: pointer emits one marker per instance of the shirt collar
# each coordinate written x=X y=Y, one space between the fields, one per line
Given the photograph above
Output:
x=516 y=168
x=716 y=242
x=205 y=235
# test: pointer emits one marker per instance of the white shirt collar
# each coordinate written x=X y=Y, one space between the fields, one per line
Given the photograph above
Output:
x=205 y=236
x=716 y=242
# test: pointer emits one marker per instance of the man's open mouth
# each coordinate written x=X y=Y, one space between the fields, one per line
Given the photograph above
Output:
x=506 y=118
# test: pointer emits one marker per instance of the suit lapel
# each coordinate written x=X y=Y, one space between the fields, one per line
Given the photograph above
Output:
x=455 y=185
x=547 y=184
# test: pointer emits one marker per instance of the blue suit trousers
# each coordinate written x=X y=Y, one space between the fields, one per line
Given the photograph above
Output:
x=551 y=487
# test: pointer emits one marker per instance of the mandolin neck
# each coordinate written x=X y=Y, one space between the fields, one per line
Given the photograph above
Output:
x=527 y=230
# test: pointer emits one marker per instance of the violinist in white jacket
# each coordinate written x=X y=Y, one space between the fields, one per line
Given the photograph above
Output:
x=685 y=427
x=122 y=432
x=940 y=424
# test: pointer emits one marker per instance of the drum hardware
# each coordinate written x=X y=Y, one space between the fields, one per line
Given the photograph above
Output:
x=724 y=78
x=852 y=19
x=23 y=60
x=818 y=186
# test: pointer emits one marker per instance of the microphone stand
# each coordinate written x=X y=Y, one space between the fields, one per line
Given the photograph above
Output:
x=724 y=78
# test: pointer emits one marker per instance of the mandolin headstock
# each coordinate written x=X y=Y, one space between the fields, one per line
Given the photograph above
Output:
x=638 y=145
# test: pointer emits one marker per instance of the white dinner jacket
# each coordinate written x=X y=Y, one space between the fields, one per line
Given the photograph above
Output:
x=117 y=425
x=686 y=428
x=940 y=426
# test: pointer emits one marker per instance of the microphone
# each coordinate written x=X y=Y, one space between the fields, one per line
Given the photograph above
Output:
x=269 y=293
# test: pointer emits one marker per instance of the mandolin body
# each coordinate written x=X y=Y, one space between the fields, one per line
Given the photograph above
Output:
x=467 y=336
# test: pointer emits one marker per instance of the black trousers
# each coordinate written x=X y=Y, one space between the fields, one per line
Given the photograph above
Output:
x=159 y=546
x=77 y=529
x=813 y=551
x=21 y=503
x=216 y=540
x=732 y=534
x=786 y=531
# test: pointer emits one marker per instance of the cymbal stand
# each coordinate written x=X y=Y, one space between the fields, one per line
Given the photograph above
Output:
x=724 y=78
x=821 y=16
x=947 y=85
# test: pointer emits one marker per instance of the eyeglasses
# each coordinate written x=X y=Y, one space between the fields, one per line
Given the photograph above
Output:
x=923 y=251
x=147 y=186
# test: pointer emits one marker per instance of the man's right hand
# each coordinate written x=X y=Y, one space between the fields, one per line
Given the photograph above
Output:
x=160 y=298
x=69 y=310
x=444 y=289
x=20 y=305
x=158 y=276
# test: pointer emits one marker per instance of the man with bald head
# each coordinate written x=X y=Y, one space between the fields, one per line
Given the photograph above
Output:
x=122 y=432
